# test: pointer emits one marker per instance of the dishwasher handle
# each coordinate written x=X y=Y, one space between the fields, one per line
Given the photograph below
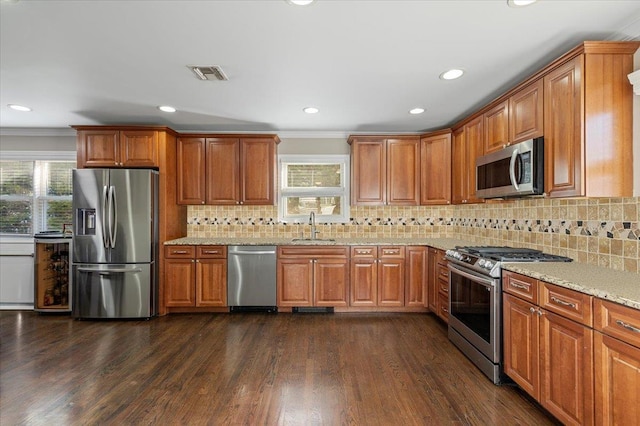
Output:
x=252 y=252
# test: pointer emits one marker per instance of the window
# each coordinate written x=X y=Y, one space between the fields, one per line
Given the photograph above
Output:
x=35 y=194
x=314 y=183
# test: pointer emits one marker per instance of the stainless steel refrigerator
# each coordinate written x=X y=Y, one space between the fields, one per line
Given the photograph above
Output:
x=115 y=243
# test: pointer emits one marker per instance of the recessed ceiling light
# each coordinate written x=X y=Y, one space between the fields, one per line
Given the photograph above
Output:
x=19 y=108
x=166 y=108
x=520 y=3
x=452 y=74
x=300 y=2
x=310 y=110
x=416 y=111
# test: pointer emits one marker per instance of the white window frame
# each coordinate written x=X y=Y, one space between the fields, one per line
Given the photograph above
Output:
x=38 y=215
x=342 y=192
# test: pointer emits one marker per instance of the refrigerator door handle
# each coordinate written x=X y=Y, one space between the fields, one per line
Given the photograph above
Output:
x=113 y=226
x=110 y=270
x=105 y=198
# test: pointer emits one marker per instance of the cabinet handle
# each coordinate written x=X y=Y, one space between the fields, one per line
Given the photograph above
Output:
x=445 y=310
x=535 y=311
x=179 y=252
x=628 y=326
x=520 y=286
x=210 y=251
x=532 y=310
x=563 y=303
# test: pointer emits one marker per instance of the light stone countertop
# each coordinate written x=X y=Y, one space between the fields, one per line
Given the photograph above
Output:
x=616 y=286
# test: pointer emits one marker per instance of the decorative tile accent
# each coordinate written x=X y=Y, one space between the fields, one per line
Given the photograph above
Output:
x=600 y=231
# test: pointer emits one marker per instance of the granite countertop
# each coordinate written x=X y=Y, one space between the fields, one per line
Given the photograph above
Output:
x=617 y=286
x=609 y=284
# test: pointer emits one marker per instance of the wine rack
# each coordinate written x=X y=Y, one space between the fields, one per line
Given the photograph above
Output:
x=52 y=277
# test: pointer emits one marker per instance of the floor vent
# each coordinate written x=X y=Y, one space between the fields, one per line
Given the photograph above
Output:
x=312 y=310
x=268 y=309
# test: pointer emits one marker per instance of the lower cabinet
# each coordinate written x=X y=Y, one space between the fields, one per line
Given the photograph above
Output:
x=312 y=276
x=438 y=283
x=195 y=276
x=415 y=283
x=617 y=364
x=546 y=350
x=377 y=276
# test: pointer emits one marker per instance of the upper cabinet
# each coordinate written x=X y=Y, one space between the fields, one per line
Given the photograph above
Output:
x=108 y=147
x=496 y=127
x=588 y=120
x=467 y=145
x=226 y=170
x=435 y=168
x=385 y=170
x=525 y=113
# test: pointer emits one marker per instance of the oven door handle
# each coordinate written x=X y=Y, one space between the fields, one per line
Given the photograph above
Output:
x=487 y=282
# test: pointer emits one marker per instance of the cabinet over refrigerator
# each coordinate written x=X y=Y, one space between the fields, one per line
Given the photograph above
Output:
x=115 y=243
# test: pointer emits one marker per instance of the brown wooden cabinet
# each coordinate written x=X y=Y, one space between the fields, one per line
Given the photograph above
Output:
x=227 y=170
x=312 y=276
x=467 y=146
x=195 y=276
x=385 y=170
x=617 y=364
x=377 y=276
x=548 y=346
x=415 y=282
x=496 y=127
x=111 y=147
x=432 y=280
x=435 y=168
x=437 y=288
x=526 y=108
x=588 y=122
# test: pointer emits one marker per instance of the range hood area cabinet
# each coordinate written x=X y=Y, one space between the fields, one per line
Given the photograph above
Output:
x=385 y=170
x=227 y=169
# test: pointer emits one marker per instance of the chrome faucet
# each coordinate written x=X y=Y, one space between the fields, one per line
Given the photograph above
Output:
x=312 y=222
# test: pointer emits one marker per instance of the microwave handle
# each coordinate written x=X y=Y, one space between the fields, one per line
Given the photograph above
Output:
x=512 y=169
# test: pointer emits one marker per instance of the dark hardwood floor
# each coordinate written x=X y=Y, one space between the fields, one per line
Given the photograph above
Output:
x=251 y=369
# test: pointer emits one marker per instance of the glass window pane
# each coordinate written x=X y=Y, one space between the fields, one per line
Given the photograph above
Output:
x=59 y=178
x=313 y=175
x=16 y=217
x=58 y=213
x=306 y=205
x=16 y=178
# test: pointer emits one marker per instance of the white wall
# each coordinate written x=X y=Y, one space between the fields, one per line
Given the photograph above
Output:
x=312 y=146
x=37 y=143
x=636 y=133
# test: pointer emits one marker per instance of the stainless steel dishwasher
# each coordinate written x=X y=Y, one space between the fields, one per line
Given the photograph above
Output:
x=251 y=278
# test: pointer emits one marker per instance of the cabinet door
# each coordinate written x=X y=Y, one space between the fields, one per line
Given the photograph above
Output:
x=138 y=148
x=435 y=170
x=520 y=339
x=331 y=282
x=191 y=170
x=391 y=282
x=459 y=192
x=563 y=130
x=617 y=381
x=474 y=148
x=496 y=127
x=98 y=148
x=295 y=282
x=258 y=159
x=364 y=282
x=223 y=171
x=403 y=172
x=566 y=382
x=179 y=278
x=526 y=113
x=368 y=172
x=416 y=276
x=211 y=282
x=432 y=280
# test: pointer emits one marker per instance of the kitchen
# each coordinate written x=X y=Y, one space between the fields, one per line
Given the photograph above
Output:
x=544 y=220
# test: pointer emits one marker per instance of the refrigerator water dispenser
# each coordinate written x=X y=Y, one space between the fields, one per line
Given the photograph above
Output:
x=86 y=222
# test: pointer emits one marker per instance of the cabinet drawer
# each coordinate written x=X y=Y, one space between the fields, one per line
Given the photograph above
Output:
x=180 y=252
x=618 y=321
x=567 y=303
x=443 y=272
x=520 y=285
x=443 y=286
x=440 y=259
x=211 y=252
x=313 y=251
x=367 y=252
x=395 y=252
x=443 y=307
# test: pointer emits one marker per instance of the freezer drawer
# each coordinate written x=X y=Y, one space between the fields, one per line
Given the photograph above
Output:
x=113 y=291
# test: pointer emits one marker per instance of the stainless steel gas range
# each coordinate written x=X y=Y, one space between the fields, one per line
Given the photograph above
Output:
x=475 y=307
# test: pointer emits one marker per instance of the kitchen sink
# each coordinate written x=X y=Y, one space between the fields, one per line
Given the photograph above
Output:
x=318 y=240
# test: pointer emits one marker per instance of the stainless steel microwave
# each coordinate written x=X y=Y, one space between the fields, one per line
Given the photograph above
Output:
x=514 y=171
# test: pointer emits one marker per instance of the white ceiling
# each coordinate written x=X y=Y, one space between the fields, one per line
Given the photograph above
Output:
x=364 y=64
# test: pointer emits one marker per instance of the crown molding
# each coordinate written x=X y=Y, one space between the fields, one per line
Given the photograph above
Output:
x=634 y=78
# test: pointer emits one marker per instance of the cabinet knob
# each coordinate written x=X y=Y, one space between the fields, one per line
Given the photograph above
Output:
x=202 y=202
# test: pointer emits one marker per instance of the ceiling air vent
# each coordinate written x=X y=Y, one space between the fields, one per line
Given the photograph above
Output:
x=212 y=72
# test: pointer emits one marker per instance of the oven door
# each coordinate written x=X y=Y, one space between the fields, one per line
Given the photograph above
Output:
x=474 y=310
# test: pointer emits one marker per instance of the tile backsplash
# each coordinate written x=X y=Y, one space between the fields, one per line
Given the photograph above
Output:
x=598 y=231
